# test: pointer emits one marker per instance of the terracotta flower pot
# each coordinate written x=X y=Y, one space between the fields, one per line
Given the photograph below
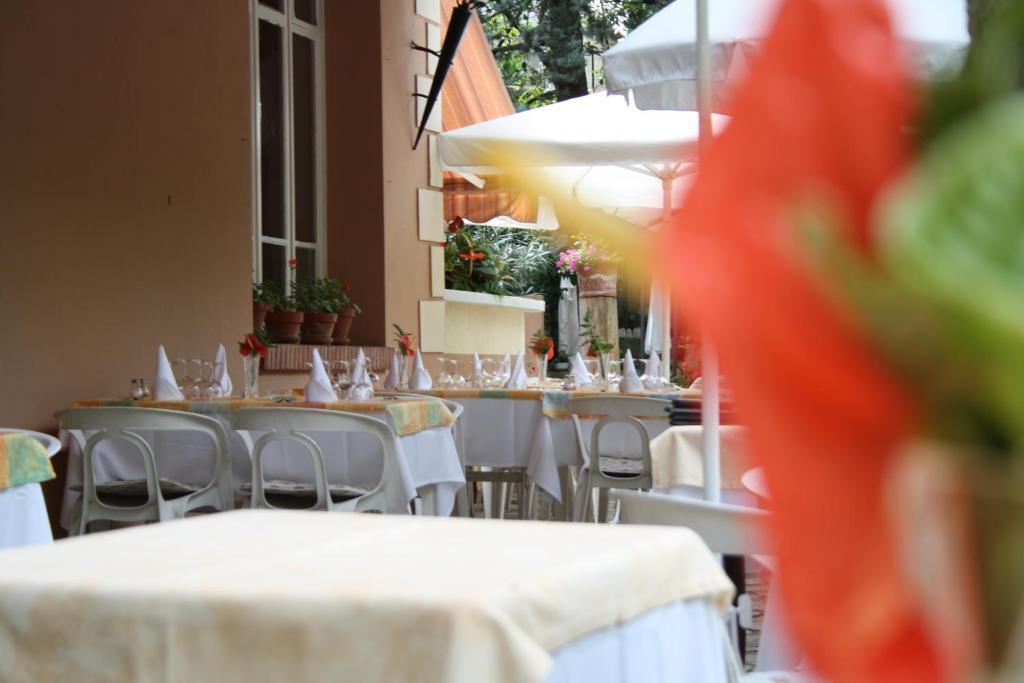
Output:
x=284 y=326
x=601 y=280
x=318 y=328
x=344 y=325
x=259 y=314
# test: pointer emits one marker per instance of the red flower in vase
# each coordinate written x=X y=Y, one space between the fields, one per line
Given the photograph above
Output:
x=456 y=224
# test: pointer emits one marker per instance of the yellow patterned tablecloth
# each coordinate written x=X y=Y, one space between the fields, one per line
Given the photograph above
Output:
x=307 y=597
x=408 y=416
x=23 y=460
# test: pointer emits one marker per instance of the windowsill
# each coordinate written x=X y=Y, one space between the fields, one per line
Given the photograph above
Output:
x=522 y=303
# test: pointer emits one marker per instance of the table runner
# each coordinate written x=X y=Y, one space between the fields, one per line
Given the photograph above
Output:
x=23 y=460
x=408 y=416
x=260 y=595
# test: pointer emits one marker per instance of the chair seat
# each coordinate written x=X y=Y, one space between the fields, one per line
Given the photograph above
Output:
x=135 y=489
x=283 y=490
x=613 y=466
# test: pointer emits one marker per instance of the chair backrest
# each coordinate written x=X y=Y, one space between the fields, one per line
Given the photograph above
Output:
x=50 y=443
x=125 y=423
x=727 y=529
x=294 y=424
x=627 y=410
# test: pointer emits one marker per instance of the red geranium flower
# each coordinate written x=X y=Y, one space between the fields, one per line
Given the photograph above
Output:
x=292 y=262
x=346 y=287
x=456 y=224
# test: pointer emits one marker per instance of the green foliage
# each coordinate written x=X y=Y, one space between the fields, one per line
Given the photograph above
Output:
x=547 y=50
x=275 y=295
x=261 y=294
x=505 y=262
x=592 y=340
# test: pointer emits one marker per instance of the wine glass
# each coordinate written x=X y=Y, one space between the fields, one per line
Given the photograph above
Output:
x=593 y=370
x=195 y=377
x=210 y=387
x=180 y=368
x=341 y=375
x=492 y=372
x=456 y=378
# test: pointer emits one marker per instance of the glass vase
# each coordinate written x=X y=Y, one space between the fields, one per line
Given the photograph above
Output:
x=542 y=367
x=604 y=367
x=251 y=367
x=403 y=364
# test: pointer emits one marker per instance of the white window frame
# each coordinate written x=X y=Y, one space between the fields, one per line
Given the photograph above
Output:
x=289 y=26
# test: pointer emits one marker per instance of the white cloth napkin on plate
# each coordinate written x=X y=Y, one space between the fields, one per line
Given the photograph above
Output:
x=165 y=387
x=319 y=389
x=220 y=371
x=478 y=368
x=653 y=372
x=517 y=376
x=393 y=381
x=579 y=371
x=421 y=380
x=359 y=368
x=630 y=381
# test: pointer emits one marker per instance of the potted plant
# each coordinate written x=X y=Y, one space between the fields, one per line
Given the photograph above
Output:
x=314 y=298
x=344 y=307
x=560 y=363
x=593 y=264
x=283 y=321
x=262 y=302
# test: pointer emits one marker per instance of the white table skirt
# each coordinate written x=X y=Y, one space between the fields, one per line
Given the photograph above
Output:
x=426 y=459
x=23 y=518
x=505 y=432
x=681 y=642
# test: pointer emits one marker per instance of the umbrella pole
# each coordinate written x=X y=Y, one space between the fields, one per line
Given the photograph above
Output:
x=666 y=298
x=710 y=442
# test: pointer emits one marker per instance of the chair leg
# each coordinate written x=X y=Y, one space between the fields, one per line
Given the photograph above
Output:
x=462 y=502
x=602 y=505
x=499 y=492
x=523 y=488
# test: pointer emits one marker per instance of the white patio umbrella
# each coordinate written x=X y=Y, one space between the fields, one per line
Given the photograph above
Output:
x=607 y=153
x=657 y=61
x=672 y=60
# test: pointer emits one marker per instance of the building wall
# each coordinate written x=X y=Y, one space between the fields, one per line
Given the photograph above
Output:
x=407 y=259
x=124 y=193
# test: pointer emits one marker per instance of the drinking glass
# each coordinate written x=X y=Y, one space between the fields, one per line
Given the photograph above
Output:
x=209 y=386
x=180 y=368
x=492 y=372
x=593 y=369
x=341 y=375
x=458 y=380
x=442 y=378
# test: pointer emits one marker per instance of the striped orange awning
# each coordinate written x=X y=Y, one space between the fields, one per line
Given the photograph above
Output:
x=475 y=92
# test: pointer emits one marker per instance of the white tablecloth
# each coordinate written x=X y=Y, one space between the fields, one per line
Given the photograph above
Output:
x=427 y=459
x=507 y=432
x=23 y=518
x=300 y=596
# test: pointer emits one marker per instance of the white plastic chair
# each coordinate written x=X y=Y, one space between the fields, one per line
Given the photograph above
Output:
x=293 y=425
x=604 y=472
x=159 y=505
x=726 y=529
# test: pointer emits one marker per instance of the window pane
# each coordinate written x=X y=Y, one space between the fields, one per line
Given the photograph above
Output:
x=306 y=263
x=276 y=4
x=305 y=10
x=274 y=263
x=271 y=118
x=304 y=112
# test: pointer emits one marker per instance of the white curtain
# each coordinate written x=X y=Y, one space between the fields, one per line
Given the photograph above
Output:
x=655 y=321
x=568 y=319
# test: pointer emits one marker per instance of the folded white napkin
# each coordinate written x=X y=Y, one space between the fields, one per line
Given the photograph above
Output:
x=359 y=368
x=319 y=389
x=421 y=380
x=517 y=376
x=165 y=387
x=220 y=372
x=579 y=371
x=652 y=375
x=393 y=381
x=630 y=382
x=478 y=368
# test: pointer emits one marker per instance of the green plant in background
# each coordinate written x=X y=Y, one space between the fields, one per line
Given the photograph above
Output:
x=261 y=294
x=316 y=296
x=339 y=292
x=275 y=295
x=595 y=343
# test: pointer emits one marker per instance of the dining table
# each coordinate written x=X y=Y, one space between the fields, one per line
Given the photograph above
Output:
x=429 y=462
x=304 y=596
x=24 y=465
x=532 y=428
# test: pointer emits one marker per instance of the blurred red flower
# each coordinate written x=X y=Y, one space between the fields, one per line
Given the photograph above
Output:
x=292 y=262
x=456 y=224
x=822 y=118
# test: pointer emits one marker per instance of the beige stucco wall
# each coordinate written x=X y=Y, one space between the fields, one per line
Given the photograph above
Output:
x=407 y=259
x=124 y=193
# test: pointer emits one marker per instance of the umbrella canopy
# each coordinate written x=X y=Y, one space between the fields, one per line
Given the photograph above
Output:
x=593 y=130
x=658 y=60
